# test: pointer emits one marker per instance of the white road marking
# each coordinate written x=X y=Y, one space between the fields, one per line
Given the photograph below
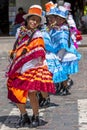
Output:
x=10 y=121
x=82 y=114
x=12 y=113
x=12 y=118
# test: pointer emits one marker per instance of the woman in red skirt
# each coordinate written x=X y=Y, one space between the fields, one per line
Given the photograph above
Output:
x=28 y=72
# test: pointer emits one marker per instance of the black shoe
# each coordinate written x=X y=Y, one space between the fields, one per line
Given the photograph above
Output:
x=35 y=121
x=65 y=92
x=40 y=98
x=69 y=83
x=59 y=87
x=24 y=119
x=41 y=102
x=45 y=102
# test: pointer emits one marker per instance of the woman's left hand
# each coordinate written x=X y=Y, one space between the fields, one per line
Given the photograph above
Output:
x=24 y=51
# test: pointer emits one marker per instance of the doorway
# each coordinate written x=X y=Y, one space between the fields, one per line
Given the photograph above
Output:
x=4 y=21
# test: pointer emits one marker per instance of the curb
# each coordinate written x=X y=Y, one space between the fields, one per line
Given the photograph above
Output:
x=4 y=38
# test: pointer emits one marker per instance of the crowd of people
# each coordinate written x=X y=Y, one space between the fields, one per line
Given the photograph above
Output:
x=44 y=56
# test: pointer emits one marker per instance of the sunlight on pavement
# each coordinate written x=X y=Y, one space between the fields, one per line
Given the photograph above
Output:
x=82 y=111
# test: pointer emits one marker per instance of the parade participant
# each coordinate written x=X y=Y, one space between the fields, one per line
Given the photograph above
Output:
x=71 y=57
x=28 y=72
x=44 y=98
x=70 y=19
x=53 y=60
x=62 y=54
x=75 y=33
x=72 y=25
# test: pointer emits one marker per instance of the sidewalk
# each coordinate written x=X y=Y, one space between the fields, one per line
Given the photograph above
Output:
x=6 y=44
x=84 y=41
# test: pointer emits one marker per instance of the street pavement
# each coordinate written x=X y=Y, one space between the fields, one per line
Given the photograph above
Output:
x=64 y=113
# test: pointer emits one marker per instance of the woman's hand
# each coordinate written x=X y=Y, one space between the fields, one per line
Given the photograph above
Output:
x=24 y=51
x=11 y=56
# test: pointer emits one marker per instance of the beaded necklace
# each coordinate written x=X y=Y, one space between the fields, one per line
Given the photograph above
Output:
x=24 y=32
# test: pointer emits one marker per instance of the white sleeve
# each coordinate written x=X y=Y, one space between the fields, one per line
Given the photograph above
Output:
x=37 y=34
x=71 y=21
x=17 y=33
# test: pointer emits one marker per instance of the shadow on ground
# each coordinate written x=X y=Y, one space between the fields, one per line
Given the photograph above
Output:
x=11 y=122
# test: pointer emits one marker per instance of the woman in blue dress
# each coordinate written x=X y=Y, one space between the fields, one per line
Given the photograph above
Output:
x=62 y=57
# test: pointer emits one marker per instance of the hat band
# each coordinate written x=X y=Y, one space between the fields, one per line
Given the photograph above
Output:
x=35 y=11
x=62 y=14
x=49 y=6
x=53 y=11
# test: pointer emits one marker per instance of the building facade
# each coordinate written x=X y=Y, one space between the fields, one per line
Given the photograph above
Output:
x=8 y=10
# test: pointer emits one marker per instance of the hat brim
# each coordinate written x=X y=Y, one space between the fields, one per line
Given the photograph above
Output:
x=48 y=14
x=68 y=9
x=56 y=15
x=43 y=19
x=61 y=16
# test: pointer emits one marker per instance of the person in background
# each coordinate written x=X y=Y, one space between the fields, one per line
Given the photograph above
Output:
x=18 y=20
x=84 y=19
x=75 y=33
x=28 y=72
x=77 y=14
x=70 y=18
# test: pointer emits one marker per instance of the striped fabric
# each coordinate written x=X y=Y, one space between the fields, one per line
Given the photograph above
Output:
x=29 y=72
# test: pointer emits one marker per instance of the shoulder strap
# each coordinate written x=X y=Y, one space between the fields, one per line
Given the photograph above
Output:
x=30 y=38
x=15 y=44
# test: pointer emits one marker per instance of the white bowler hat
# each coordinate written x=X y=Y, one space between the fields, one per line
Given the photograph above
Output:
x=67 y=6
x=62 y=12
x=35 y=10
